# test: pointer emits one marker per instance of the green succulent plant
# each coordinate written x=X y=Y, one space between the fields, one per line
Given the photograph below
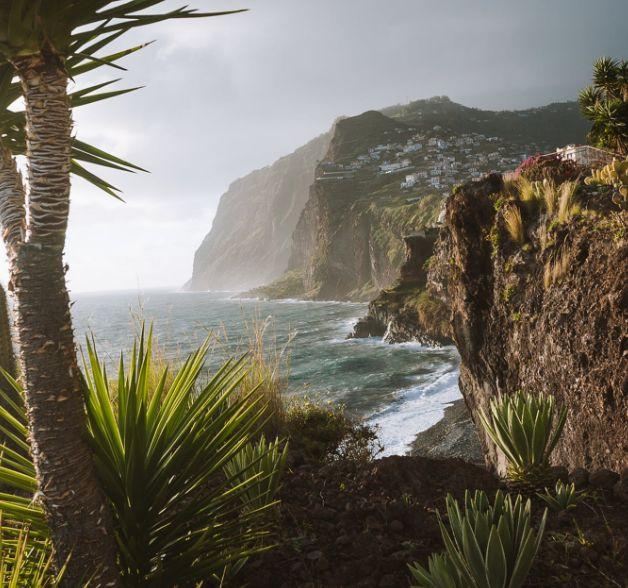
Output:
x=486 y=545
x=526 y=427
x=264 y=460
x=564 y=497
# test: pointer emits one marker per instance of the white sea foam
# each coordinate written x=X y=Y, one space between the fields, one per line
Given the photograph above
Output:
x=415 y=410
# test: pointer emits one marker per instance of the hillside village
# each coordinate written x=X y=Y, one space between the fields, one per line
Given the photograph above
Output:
x=418 y=163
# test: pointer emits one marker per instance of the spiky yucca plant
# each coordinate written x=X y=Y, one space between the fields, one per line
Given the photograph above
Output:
x=264 y=459
x=526 y=427
x=486 y=545
x=564 y=497
x=162 y=447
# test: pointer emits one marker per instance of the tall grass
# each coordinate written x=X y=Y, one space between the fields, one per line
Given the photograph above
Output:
x=514 y=224
x=556 y=268
x=568 y=205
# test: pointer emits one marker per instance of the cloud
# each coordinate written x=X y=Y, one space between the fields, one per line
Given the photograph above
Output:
x=227 y=95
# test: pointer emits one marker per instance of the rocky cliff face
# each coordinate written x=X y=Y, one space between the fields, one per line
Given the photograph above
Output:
x=544 y=314
x=407 y=311
x=250 y=240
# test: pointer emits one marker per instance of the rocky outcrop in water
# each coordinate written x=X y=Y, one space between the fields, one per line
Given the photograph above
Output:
x=407 y=311
x=547 y=315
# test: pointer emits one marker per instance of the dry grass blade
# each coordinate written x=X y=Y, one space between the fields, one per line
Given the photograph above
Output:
x=568 y=205
x=556 y=268
x=514 y=224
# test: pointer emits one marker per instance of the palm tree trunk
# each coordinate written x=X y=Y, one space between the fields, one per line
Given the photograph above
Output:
x=75 y=507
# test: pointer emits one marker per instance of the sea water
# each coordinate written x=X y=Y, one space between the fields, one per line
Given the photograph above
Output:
x=400 y=389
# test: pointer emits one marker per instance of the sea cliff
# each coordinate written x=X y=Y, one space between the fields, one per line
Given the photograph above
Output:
x=546 y=313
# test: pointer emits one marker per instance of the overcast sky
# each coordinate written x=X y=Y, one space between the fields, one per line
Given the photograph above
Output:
x=227 y=95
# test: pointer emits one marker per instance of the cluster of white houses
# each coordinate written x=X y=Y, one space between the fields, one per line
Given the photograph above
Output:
x=434 y=160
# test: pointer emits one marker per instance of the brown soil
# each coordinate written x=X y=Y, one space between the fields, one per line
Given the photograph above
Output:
x=360 y=524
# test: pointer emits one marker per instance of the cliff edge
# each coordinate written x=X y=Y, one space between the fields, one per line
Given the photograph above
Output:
x=538 y=293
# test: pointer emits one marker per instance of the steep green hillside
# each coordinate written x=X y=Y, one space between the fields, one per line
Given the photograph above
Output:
x=554 y=125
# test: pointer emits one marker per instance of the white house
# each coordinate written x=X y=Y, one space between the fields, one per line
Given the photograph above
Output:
x=412 y=147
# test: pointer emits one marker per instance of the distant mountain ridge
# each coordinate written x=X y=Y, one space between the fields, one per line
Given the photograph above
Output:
x=250 y=239
x=272 y=220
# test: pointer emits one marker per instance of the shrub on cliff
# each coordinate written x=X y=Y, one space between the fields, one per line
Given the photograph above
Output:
x=486 y=545
x=548 y=167
x=320 y=432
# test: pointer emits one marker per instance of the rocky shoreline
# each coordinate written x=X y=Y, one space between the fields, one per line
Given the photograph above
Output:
x=453 y=437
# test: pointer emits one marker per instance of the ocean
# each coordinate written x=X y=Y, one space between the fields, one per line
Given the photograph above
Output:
x=399 y=389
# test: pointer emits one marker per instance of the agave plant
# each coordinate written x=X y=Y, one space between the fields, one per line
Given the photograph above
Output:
x=486 y=546
x=526 y=427
x=188 y=491
x=564 y=497
x=614 y=174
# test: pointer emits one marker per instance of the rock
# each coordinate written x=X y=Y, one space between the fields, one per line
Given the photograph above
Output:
x=396 y=526
x=324 y=514
x=395 y=313
x=514 y=332
x=604 y=479
x=373 y=523
x=589 y=554
x=455 y=435
x=580 y=478
x=367 y=327
x=388 y=581
x=250 y=239
x=343 y=540
x=296 y=567
x=620 y=489
x=314 y=555
x=322 y=565
x=560 y=473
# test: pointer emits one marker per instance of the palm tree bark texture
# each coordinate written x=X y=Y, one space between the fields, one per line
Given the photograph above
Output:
x=34 y=224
